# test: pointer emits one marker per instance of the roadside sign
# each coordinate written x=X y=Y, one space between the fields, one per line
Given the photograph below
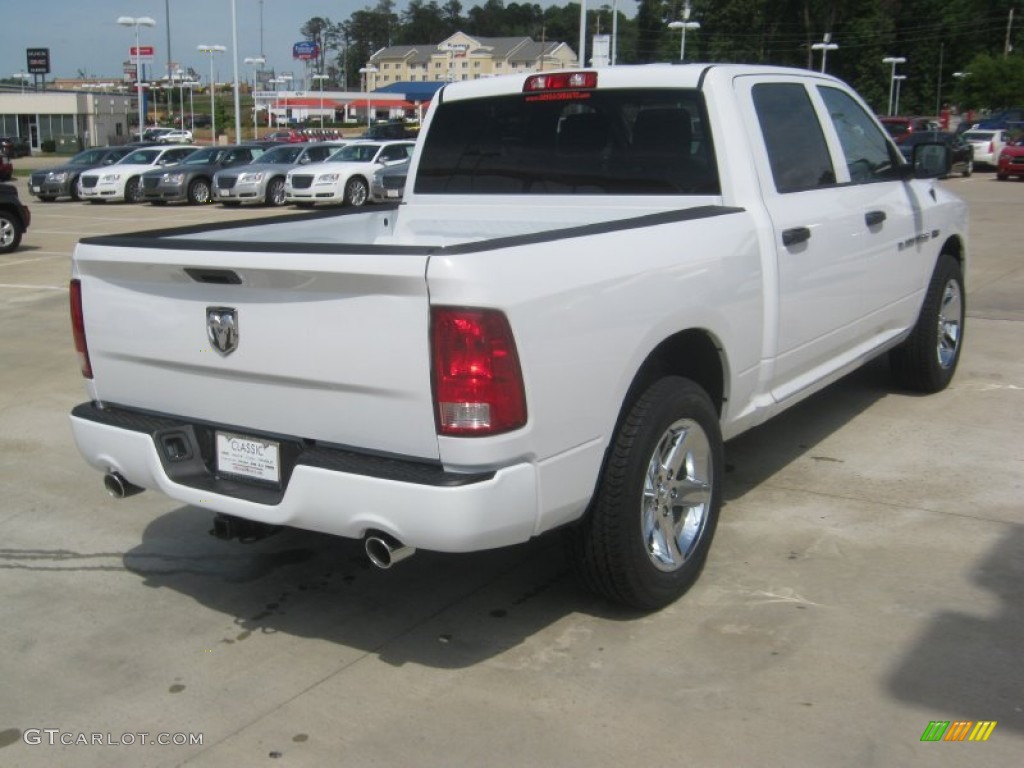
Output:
x=143 y=53
x=38 y=60
x=305 y=50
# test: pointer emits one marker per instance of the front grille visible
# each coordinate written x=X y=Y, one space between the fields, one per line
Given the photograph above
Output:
x=89 y=182
x=302 y=182
x=393 y=182
x=38 y=179
x=150 y=183
x=226 y=182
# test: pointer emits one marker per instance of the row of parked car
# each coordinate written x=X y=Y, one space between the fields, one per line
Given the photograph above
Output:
x=982 y=145
x=341 y=172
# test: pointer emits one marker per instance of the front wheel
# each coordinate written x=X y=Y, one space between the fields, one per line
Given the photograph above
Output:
x=968 y=169
x=356 y=192
x=927 y=360
x=133 y=191
x=646 y=536
x=199 y=192
x=275 y=193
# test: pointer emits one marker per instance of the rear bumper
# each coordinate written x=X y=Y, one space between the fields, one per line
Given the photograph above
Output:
x=323 y=488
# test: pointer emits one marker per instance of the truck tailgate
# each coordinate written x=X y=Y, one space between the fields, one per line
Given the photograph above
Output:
x=330 y=346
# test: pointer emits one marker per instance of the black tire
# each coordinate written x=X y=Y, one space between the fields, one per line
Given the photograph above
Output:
x=356 y=192
x=133 y=190
x=968 y=169
x=199 y=192
x=927 y=360
x=73 y=190
x=275 y=193
x=619 y=548
x=10 y=232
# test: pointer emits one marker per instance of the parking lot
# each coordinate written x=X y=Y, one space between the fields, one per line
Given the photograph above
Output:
x=865 y=581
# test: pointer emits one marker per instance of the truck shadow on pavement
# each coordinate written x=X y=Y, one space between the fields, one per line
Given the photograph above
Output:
x=966 y=666
x=439 y=610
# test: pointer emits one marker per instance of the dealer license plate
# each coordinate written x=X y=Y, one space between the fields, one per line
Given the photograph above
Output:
x=248 y=457
x=391 y=193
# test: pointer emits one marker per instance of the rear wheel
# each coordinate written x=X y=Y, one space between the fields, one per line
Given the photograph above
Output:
x=644 y=541
x=356 y=192
x=275 y=192
x=199 y=192
x=73 y=189
x=927 y=360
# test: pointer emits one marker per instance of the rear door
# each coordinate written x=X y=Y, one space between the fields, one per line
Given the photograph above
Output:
x=837 y=223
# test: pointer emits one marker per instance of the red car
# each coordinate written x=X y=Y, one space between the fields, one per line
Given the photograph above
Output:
x=1011 y=160
x=286 y=135
x=901 y=127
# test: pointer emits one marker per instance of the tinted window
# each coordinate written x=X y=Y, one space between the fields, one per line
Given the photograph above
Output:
x=284 y=155
x=623 y=142
x=796 y=146
x=356 y=153
x=141 y=157
x=869 y=156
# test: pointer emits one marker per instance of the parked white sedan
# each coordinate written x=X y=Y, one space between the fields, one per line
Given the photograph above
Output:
x=176 y=137
x=987 y=143
x=344 y=178
x=123 y=179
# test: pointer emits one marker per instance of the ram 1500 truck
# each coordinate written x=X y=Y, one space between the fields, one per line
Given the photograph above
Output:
x=595 y=278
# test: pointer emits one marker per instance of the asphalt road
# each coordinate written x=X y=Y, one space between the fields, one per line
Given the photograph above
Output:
x=865 y=581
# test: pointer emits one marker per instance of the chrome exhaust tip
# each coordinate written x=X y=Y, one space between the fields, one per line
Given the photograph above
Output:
x=385 y=550
x=118 y=487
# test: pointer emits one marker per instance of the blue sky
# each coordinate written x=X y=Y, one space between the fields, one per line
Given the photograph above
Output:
x=84 y=34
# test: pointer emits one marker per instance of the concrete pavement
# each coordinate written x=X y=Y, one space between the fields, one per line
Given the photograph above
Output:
x=864 y=582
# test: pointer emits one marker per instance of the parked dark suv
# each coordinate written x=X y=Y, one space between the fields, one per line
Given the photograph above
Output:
x=394 y=129
x=14 y=218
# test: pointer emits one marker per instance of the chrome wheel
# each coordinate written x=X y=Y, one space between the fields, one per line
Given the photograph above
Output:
x=677 y=495
x=275 y=192
x=199 y=192
x=356 y=192
x=10 y=235
x=951 y=317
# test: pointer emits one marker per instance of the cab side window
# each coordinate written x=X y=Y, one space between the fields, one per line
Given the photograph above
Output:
x=796 y=146
x=869 y=155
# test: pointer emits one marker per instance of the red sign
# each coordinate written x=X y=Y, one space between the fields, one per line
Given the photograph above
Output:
x=143 y=52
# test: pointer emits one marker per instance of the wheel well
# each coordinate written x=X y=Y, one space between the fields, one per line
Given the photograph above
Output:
x=693 y=354
x=954 y=246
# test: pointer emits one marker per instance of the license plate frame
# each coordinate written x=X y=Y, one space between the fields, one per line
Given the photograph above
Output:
x=248 y=458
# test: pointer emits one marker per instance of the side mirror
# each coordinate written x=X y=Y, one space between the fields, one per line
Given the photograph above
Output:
x=931 y=160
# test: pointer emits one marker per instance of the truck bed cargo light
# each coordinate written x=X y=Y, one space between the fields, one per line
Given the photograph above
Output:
x=559 y=81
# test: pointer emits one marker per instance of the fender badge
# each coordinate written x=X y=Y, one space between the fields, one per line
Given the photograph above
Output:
x=222 y=329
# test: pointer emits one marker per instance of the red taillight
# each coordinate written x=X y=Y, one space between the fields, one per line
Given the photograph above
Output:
x=78 y=328
x=560 y=81
x=478 y=385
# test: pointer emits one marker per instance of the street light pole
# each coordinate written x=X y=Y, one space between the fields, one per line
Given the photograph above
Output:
x=684 y=25
x=137 y=21
x=212 y=49
x=893 y=60
x=825 y=46
x=321 y=77
x=899 y=80
x=257 y=63
x=366 y=72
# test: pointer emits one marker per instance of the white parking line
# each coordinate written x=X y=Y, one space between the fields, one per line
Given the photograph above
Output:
x=48 y=255
x=35 y=287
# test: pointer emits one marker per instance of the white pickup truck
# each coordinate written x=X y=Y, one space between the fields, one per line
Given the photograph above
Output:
x=595 y=278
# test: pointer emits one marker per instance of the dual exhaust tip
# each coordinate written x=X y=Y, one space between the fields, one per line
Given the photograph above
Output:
x=383 y=549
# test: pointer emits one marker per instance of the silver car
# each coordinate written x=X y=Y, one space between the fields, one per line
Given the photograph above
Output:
x=262 y=182
x=388 y=184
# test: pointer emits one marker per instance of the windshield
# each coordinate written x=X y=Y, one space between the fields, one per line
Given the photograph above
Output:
x=141 y=157
x=979 y=135
x=355 y=153
x=285 y=155
x=203 y=156
x=89 y=157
